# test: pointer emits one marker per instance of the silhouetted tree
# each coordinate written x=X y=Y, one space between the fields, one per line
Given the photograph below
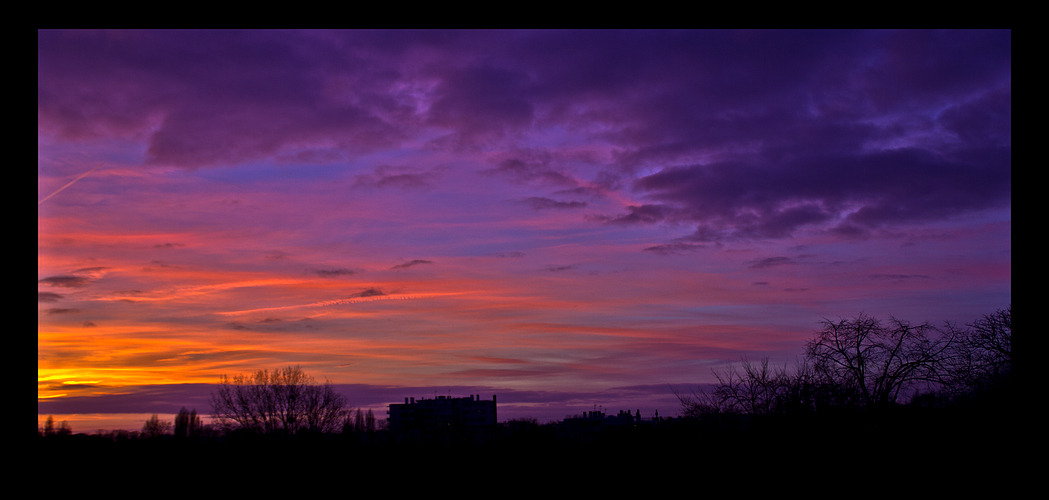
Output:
x=862 y=362
x=981 y=358
x=699 y=405
x=759 y=390
x=369 y=421
x=358 y=421
x=285 y=401
x=188 y=424
x=521 y=427
x=154 y=427
x=875 y=363
x=753 y=392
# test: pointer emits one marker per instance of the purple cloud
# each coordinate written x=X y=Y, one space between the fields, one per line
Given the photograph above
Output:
x=334 y=273
x=65 y=281
x=772 y=262
x=843 y=131
x=415 y=262
x=402 y=178
x=59 y=310
x=47 y=297
x=540 y=203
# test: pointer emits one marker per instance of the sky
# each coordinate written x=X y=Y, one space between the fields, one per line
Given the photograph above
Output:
x=569 y=220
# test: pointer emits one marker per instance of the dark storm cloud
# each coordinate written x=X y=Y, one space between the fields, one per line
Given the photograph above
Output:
x=411 y=263
x=47 y=297
x=371 y=292
x=66 y=281
x=539 y=203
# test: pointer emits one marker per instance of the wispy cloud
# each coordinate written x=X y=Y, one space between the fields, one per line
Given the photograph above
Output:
x=539 y=203
x=898 y=278
x=771 y=262
x=674 y=248
x=507 y=255
x=47 y=297
x=408 y=264
x=66 y=281
x=334 y=273
x=57 y=310
x=397 y=177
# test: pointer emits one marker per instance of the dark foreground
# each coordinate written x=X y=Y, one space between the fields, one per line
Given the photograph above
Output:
x=972 y=448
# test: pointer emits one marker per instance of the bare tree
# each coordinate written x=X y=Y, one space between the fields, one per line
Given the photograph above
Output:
x=863 y=362
x=284 y=401
x=981 y=358
x=753 y=392
x=369 y=421
x=699 y=405
x=358 y=421
x=875 y=363
x=154 y=427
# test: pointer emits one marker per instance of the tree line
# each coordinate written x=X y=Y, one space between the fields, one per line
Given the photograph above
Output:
x=865 y=363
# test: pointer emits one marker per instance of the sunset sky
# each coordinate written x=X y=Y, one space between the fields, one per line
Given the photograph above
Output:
x=562 y=218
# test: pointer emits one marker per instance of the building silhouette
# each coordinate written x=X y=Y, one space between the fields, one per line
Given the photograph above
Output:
x=444 y=419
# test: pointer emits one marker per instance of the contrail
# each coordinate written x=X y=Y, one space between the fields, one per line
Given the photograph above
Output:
x=325 y=303
x=352 y=300
x=70 y=184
